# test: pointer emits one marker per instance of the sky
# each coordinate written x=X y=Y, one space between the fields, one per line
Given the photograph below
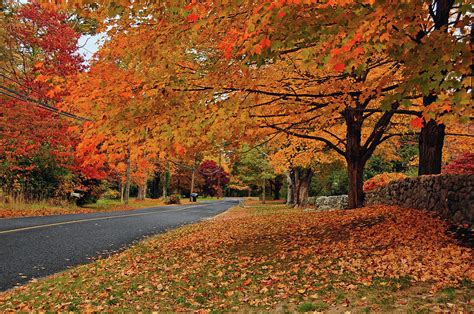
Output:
x=89 y=45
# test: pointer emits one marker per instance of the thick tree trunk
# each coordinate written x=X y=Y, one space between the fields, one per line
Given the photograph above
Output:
x=142 y=191
x=356 y=157
x=355 y=170
x=431 y=139
x=293 y=183
x=430 y=144
x=155 y=186
x=302 y=181
x=276 y=185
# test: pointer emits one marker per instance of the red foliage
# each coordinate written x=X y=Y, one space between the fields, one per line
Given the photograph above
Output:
x=54 y=42
x=464 y=164
x=47 y=44
x=211 y=172
x=381 y=180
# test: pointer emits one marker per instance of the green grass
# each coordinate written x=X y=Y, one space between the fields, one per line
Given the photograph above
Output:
x=447 y=295
x=311 y=307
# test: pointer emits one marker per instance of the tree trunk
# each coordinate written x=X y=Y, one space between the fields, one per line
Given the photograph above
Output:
x=430 y=144
x=263 y=190
x=293 y=178
x=166 y=180
x=164 y=189
x=276 y=185
x=302 y=181
x=127 y=179
x=155 y=186
x=431 y=139
x=122 y=190
x=290 y=193
x=356 y=157
x=355 y=171
x=142 y=191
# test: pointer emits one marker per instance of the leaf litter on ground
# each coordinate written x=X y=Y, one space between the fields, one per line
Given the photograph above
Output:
x=274 y=258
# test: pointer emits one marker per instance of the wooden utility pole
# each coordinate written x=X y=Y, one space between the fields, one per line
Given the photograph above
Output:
x=192 y=178
x=219 y=192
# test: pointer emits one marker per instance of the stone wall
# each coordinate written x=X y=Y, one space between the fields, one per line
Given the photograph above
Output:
x=451 y=195
x=329 y=202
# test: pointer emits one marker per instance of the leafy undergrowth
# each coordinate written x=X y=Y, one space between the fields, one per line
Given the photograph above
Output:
x=258 y=258
x=46 y=209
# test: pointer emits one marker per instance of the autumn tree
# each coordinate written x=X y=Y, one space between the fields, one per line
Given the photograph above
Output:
x=215 y=177
x=252 y=167
x=38 y=52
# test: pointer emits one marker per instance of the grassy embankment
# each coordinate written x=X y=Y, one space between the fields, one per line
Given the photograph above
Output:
x=23 y=209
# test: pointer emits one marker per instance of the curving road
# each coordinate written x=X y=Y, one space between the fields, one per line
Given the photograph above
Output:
x=34 y=247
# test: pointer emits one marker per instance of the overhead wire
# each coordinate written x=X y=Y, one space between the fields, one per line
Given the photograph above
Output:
x=22 y=97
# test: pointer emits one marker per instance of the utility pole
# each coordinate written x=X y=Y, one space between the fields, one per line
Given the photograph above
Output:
x=192 y=179
x=219 y=192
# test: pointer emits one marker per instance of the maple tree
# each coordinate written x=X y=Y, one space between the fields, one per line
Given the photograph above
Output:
x=38 y=158
x=214 y=177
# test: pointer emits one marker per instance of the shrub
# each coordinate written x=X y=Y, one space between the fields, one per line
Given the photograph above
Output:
x=464 y=164
x=172 y=199
x=382 y=179
x=111 y=194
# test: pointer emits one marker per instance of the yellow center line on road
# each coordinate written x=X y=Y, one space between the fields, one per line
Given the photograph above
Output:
x=95 y=219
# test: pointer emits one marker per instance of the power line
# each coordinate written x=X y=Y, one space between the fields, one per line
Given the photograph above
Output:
x=19 y=96
x=15 y=81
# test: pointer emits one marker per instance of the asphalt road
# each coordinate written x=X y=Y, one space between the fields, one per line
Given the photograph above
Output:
x=39 y=246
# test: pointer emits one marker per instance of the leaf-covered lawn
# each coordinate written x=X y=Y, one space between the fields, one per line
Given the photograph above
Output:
x=47 y=209
x=272 y=258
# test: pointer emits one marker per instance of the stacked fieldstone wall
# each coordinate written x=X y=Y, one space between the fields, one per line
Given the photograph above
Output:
x=331 y=202
x=452 y=195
